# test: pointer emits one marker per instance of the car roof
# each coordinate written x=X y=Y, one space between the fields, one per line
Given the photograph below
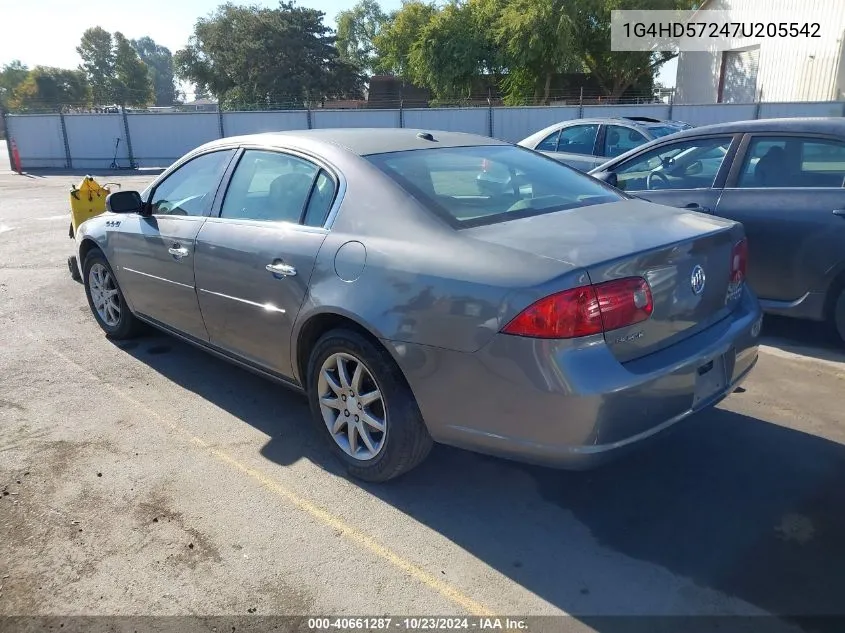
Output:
x=823 y=125
x=363 y=141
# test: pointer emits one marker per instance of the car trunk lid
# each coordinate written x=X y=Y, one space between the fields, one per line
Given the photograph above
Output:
x=685 y=257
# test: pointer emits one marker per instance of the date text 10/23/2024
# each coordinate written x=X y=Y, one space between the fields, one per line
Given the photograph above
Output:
x=417 y=624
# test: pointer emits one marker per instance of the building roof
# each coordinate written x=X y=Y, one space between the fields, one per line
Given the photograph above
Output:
x=365 y=141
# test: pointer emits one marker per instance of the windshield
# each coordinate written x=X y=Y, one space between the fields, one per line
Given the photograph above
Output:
x=471 y=186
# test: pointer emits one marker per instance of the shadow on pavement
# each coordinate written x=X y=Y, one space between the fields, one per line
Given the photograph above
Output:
x=807 y=338
x=733 y=503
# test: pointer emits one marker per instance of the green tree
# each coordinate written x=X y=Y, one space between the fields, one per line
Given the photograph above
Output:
x=47 y=89
x=132 y=83
x=535 y=38
x=395 y=39
x=453 y=49
x=616 y=71
x=254 y=56
x=357 y=29
x=159 y=61
x=11 y=76
x=97 y=55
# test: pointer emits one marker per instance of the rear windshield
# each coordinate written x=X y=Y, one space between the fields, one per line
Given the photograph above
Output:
x=471 y=186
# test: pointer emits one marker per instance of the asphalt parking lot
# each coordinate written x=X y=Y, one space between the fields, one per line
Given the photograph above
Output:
x=150 y=478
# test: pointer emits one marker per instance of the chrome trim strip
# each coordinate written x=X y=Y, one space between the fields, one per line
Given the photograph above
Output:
x=175 y=283
x=269 y=307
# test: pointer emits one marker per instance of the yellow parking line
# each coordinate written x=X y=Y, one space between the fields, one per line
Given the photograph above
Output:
x=443 y=588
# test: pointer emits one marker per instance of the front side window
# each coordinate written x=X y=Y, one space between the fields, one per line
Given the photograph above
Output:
x=549 y=144
x=578 y=139
x=472 y=186
x=793 y=162
x=691 y=164
x=269 y=186
x=190 y=189
x=619 y=139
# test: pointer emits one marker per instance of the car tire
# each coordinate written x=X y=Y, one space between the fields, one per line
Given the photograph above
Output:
x=111 y=310
x=839 y=315
x=404 y=441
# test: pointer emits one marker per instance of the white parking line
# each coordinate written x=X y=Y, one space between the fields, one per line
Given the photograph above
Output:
x=63 y=216
x=5 y=227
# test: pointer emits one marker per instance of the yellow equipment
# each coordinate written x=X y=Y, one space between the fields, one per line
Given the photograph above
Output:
x=87 y=200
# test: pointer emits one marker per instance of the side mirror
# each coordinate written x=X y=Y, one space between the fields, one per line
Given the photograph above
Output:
x=124 y=202
x=609 y=177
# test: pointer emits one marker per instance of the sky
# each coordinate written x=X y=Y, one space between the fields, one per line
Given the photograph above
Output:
x=169 y=22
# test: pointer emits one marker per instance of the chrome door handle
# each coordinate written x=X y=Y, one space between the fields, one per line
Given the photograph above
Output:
x=279 y=268
x=694 y=206
x=178 y=251
x=839 y=212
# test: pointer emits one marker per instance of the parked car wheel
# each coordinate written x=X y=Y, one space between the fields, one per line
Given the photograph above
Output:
x=106 y=299
x=839 y=314
x=365 y=409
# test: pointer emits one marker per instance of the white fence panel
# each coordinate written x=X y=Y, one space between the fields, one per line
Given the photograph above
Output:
x=39 y=140
x=471 y=120
x=713 y=113
x=354 y=118
x=237 y=123
x=92 y=139
x=159 y=139
x=788 y=110
x=514 y=124
x=655 y=110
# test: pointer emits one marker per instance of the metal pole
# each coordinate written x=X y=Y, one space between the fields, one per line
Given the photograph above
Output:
x=128 y=137
x=401 y=113
x=308 y=115
x=489 y=113
x=581 y=104
x=68 y=158
x=671 y=105
x=5 y=116
x=220 y=121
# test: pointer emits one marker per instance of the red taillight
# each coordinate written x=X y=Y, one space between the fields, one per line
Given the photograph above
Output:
x=624 y=302
x=585 y=310
x=739 y=261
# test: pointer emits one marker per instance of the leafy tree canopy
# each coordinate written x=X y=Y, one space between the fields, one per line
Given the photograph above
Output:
x=269 y=58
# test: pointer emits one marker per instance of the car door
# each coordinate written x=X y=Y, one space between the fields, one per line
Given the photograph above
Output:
x=576 y=146
x=787 y=190
x=155 y=252
x=254 y=260
x=686 y=173
x=615 y=140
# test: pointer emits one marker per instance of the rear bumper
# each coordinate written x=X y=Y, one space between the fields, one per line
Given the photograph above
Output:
x=810 y=306
x=572 y=406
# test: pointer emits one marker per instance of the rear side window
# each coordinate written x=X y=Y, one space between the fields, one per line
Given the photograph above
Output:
x=269 y=186
x=793 y=162
x=472 y=186
x=619 y=139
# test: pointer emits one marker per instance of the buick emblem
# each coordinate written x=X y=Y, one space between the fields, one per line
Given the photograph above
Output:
x=697 y=280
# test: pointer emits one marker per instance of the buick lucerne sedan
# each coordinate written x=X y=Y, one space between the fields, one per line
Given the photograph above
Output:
x=556 y=321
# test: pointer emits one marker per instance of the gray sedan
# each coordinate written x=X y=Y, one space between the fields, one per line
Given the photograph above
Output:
x=587 y=143
x=557 y=322
x=782 y=179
